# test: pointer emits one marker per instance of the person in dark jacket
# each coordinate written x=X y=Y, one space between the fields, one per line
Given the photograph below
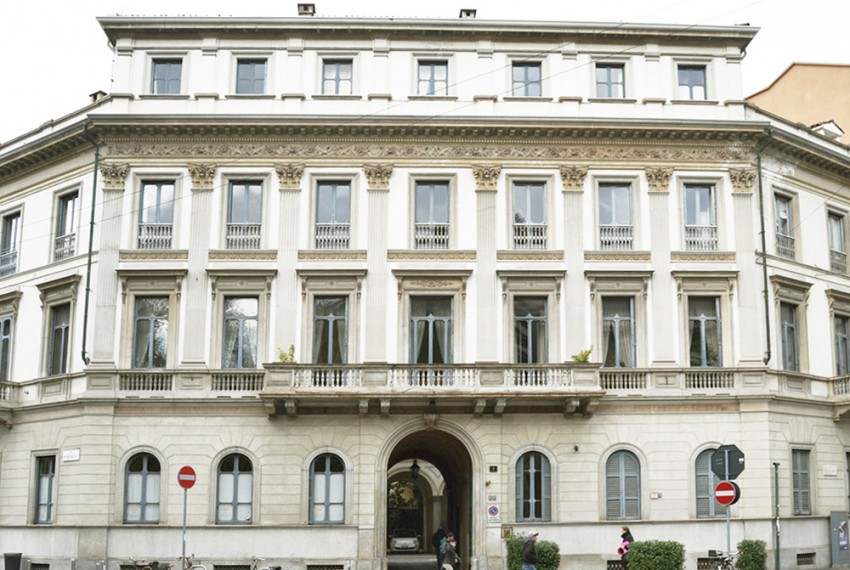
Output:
x=451 y=561
x=626 y=540
x=436 y=540
x=529 y=553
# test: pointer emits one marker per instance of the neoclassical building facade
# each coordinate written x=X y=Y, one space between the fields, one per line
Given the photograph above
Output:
x=553 y=266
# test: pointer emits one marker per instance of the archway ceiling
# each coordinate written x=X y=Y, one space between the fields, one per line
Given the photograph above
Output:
x=439 y=448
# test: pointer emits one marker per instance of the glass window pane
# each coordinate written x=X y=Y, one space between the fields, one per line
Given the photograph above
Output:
x=319 y=487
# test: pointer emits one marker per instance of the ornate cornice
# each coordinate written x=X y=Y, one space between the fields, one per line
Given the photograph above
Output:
x=289 y=175
x=702 y=256
x=658 y=179
x=203 y=174
x=114 y=175
x=617 y=256
x=332 y=255
x=573 y=177
x=742 y=179
x=159 y=255
x=529 y=255
x=242 y=255
x=378 y=175
x=430 y=255
x=486 y=176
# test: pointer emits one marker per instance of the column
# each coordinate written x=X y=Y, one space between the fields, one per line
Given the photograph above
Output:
x=375 y=343
x=749 y=295
x=662 y=327
x=577 y=329
x=486 y=179
x=287 y=329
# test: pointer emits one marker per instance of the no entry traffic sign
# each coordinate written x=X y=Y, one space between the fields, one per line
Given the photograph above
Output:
x=727 y=493
x=186 y=477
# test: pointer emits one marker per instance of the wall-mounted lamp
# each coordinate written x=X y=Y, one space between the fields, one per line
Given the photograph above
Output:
x=414 y=470
x=575 y=447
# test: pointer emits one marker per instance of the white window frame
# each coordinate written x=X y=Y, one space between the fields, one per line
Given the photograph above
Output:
x=307 y=487
x=547 y=181
x=703 y=486
x=606 y=62
x=604 y=494
x=450 y=180
x=786 y=241
x=38 y=490
x=253 y=507
x=333 y=177
x=432 y=61
x=331 y=283
x=803 y=492
x=628 y=284
x=65 y=244
x=228 y=179
x=55 y=294
x=240 y=58
x=143 y=502
x=548 y=502
x=150 y=283
x=524 y=62
x=337 y=58
x=793 y=292
x=10 y=245
x=837 y=257
x=543 y=284
x=679 y=65
x=839 y=307
x=721 y=284
x=154 y=60
x=599 y=182
x=9 y=303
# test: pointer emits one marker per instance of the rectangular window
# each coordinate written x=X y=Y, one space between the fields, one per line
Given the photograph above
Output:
x=166 y=75
x=801 y=482
x=618 y=332
x=529 y=216
x=241 y=327
x=784 y=226
x=60 y=333
x=837 y=243
x=790 y=338
x=5 y=348
x=44 y=488
x=615 y=217
x=431 y=223
x=610 y=80
x=431 y=330
x=251 y=76
x=330 y=330
x=526 y=79
x=333 y=215
x=244 y=215
x=530 y=330
x=692 y=82
x=704 y=331
x=156 y=215
x=9 y=243
x=337 y=77
x=66 y=214
x=700 y=218
x=150 y=332
x=433 y=78
x=842 y=345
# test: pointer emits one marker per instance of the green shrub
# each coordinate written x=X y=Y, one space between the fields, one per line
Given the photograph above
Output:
x=753 y=555
x=656 y=555
x=548 y=553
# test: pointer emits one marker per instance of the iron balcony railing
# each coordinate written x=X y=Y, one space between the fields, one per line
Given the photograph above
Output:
x=785 y=245
x=530 y=236
x=243 y=236
x=333 y=236
x=8 y=263
x=431 y=236
x=616 y=237
x=701 y=238
x=64 y=246
x=838 y=261
x=154 y=236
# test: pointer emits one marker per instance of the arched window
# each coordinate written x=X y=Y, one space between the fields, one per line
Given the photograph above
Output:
x=235 y=490
x=533 y=487
x=622 y=486
x=327 y=490
x=706 y=480
x=141 y=489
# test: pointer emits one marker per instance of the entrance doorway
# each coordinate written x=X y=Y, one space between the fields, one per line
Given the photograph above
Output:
x=429 y=484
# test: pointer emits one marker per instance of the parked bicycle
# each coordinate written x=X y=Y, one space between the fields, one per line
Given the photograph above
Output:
x=723 y=560
x=189 y=564
x=256 y=564
x=150 y=565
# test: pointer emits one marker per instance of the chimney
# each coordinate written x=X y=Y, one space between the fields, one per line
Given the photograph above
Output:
x=306 y=9
x=467 y=13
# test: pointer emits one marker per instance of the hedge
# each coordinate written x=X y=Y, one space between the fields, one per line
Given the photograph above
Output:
x=548 y=553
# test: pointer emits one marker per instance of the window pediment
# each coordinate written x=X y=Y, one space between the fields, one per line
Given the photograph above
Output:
x=788 y=289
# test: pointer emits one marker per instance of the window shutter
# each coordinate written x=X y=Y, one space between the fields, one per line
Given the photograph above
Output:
x=702 y=477
x=612 y=487
x=546 y=491
x=520 y=470
x=631 y=486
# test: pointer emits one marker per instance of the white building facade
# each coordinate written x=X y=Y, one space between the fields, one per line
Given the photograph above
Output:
x=438 y=217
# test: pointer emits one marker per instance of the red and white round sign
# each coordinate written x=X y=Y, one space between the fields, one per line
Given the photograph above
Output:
x=727 y=493
x=186 y=477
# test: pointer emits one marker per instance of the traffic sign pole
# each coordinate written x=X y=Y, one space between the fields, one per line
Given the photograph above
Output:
x=186 y=500
x=186 y=479
x=728 y=524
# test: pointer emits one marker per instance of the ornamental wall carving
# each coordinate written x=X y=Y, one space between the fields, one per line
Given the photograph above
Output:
x=336 y=255
x=742 y=179
x=242 y=255
x=659 y=179
x=165 y=255
x=289 y=175
x=486 y=176
x=447 y=151
x=573 y=177
x=617 y=256
x=530 y=255
x=702 y=256
x=203 y=174
x=114 y=175
x=435 y=255
x=378 y=175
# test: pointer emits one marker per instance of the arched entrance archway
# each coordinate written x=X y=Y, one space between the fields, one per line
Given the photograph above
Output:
x=445 y=482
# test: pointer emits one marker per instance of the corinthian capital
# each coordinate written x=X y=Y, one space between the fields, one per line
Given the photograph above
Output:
x=742 y=179
x=378 y=175
x=289 y=175
x=114 y=175
x=659 y=179
x=202 y=174
x=486 y=176
x=573 y=177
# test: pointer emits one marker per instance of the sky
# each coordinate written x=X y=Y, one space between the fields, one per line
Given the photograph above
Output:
x=53 y=53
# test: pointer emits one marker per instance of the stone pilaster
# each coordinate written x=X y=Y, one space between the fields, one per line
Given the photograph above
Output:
x=576 y=337
x=749 y=298
x=664 y=310
x=378 y=179
x=486 y=181
x=287 y=327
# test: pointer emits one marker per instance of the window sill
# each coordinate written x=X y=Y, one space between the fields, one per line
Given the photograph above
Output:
x=478 y=98
x=537 y=99
x=327 y=97
x=379 y=96
x=610 y=100
x=248 y=96
x=432 y=98
x=570 y=99
x=177 y=96
x=694 y=102
x=200 y=96
x=286 y=96
x=654 y=100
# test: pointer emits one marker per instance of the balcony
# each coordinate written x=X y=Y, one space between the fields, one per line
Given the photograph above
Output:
x=616 y=237
x=64 y=246
x=243 y=236
x=431 y=236
x=154 y=236
x=838 y=261
x=785 y=246
x=701 y=238
x=8 y=263
x=530 y=236
x=333 y=236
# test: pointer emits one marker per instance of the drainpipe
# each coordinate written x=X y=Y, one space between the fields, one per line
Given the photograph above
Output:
x=759 y=152
x=89 y=138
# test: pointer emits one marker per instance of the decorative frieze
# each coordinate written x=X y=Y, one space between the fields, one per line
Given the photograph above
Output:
x=486 y=176
x=332 y=255
x=114 y=175
x=573 y=177
x=703 y=256
x=289 y=175
x=742 y=179
x=431 y=255
x=202 y=174
x=617 y=256
x=659 y=179
x=242 y=255
x=378 y=175
x=530 y=255
x=159 y=255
